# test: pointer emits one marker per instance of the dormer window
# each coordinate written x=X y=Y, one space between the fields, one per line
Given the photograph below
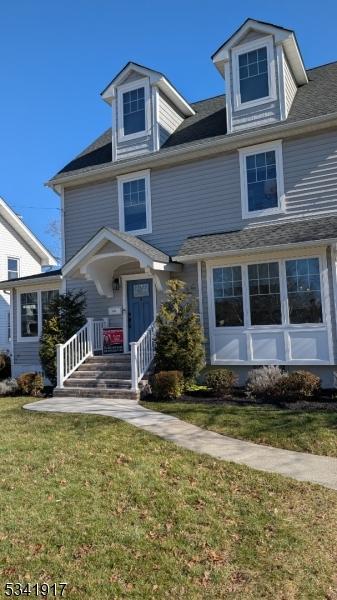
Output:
x=133 y=110
x=253 y=73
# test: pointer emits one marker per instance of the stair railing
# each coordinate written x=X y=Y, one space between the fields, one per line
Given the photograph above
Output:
x=142 y=354
x=74 y=352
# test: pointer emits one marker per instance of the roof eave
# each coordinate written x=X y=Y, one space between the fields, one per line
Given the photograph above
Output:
x=12 y=284
x=185 y=258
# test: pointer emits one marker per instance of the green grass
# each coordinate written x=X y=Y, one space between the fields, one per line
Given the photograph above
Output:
x=314 y=432
x=118 y=513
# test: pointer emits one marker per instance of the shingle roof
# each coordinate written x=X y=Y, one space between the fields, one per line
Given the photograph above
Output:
x=295 y=232
x=139 y=244
x=316 y=98
x=44 y=275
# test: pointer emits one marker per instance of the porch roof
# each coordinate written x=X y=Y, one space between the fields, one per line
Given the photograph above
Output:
x=259 y=238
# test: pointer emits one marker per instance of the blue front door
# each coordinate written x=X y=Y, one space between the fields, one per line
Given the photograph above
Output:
x=140 y=307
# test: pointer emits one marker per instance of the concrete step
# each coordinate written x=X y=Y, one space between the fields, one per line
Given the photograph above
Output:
x=101 y=383
x=86 y=392
x=118 y=358
x=106 y=374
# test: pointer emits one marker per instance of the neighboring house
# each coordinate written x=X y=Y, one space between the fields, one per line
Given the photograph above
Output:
x=236 y=195
x=21 y=254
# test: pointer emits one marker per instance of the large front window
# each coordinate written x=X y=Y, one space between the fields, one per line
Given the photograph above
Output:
x=134 y=111
x=135 y=203
x=264 y=294
x=228 y=296
x=262 y=185
x=253 y=75
x=304 y=291
x=257 y=287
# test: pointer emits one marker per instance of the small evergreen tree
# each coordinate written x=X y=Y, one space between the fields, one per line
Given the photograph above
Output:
x=179 y=337
x=66 y=318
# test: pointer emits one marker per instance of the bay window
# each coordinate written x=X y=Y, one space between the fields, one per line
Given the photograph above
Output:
x=33 y=310
x=253 y=295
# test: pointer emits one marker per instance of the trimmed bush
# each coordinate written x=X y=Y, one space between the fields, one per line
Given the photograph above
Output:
x=299 y=384
x=31 y=384
x=265 y=381
x=168 y=385
x=5 y=365
x=220 y=382
x=8 y=387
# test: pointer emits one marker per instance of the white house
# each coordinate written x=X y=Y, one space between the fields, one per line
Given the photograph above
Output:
x=21 y=255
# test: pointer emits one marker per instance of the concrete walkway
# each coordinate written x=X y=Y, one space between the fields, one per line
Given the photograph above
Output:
x=298 y=465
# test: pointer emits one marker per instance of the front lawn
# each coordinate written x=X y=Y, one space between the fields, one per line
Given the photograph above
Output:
x=118 y=513
x=306 y=431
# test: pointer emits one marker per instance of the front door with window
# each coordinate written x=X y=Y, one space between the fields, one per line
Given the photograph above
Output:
x=140 y=307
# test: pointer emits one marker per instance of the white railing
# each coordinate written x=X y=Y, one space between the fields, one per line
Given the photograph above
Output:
x=142 y=355
x=81 y=345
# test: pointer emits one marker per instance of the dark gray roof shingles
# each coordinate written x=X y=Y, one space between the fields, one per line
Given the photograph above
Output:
x=316 y=98
x=43 y=275
x=295 y=232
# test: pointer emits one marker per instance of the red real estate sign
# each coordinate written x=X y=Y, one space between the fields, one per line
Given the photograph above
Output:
x=112 y=340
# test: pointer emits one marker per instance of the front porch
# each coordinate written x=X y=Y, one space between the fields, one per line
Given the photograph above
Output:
x=130 y=276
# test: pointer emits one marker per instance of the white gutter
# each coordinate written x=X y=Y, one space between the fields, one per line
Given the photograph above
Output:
x=199 y=149
x=184 y=258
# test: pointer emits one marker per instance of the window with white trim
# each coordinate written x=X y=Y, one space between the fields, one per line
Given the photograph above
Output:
x=264 y=294
x=304 y=291
x=12 y=268
x=228 y=298
x=261 y=178
x=254 y=76
x=134 y=197
x=133 y=109
x=34 y=309
x=258 y=287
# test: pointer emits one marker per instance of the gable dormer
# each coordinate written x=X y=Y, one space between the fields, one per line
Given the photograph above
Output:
x=262 y=67
x=146 y=109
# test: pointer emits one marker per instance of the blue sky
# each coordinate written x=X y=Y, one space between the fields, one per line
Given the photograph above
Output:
x=58 y=56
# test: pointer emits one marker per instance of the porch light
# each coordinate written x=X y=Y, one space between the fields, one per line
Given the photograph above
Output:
x=116 y=284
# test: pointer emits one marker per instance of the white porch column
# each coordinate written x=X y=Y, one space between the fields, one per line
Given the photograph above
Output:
x=134 y=366
x=91 y=335
x=60 y=365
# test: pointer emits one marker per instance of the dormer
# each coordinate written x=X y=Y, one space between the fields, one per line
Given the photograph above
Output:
x=146 y=109
x=263 y=68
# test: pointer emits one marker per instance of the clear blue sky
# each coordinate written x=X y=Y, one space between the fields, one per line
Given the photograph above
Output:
x=57 y=56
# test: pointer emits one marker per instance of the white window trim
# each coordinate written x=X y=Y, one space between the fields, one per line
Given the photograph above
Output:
x=248 y=151
x=13 y=258
x=128 y=87
x=38 y=291
x=285 y=326
x=131 y=177
x=255 y=45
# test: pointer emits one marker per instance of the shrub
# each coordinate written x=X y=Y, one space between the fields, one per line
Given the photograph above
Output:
x=265 y=381
x=8 y=387
x=168 y=385
x=5 y=365
x=31 y=384
x=179 y=337
x=299 y=384
x=66 y=318
x=220 y=382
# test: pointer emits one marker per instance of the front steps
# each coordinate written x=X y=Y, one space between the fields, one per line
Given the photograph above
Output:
x=101 y=377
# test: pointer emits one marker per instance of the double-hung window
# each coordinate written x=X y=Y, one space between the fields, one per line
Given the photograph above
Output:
x=251 y=295
x=254 y=77
x=12 y=268
x=34 y=309
x=134 y=198
x=261 y=177
x=133 y=110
